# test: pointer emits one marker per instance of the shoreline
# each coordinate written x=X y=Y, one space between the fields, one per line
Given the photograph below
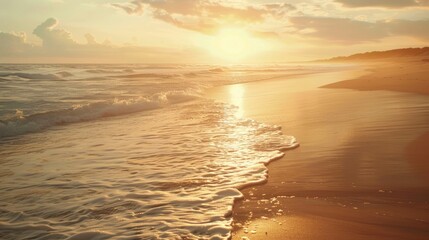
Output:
x=298 y=203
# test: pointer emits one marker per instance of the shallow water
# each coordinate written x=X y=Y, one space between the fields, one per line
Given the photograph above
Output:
x=126 y=152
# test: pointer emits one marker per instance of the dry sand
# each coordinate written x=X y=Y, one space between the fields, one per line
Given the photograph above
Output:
x=361 y=171
x=411 y=76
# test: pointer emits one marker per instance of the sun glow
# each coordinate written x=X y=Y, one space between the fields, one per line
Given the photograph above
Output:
x=233 y=44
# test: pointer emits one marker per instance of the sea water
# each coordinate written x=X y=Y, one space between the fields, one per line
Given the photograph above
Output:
x=127 y=151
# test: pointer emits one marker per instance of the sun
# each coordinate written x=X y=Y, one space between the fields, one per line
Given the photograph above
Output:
x=233 y=44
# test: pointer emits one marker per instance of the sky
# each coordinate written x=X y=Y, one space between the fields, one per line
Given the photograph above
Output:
x=205 y=31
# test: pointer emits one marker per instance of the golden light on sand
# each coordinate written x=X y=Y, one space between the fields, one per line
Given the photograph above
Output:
x=233 y=44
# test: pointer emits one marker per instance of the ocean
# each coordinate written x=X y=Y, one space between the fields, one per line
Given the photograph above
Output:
x=128 y=151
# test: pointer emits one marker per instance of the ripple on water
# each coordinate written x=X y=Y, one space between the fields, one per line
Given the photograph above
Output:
x=170 y=174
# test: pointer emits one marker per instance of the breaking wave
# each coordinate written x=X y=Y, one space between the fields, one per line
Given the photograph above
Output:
x=21 y=124
x=32 y=76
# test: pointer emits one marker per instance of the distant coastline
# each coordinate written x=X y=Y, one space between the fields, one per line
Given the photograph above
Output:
x=397 y=54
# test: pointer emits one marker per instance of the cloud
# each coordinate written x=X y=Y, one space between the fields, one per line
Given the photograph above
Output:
x=180 y=7
x=134 y=7
x=90 y=39
x=384 y=3
x=346 y=31
x=207 y=16
x=53 y=37
x=337 y=29
x=12 y=44
x=59 y=44
x=415 y=29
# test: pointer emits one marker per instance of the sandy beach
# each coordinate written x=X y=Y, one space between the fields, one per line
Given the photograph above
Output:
x=405 y=76
x=214 y=120
x=361 y=171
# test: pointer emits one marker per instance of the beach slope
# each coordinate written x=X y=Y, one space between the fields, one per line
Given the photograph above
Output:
x=359 y=171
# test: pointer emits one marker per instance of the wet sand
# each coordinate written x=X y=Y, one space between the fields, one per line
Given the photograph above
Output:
x=359 y=172
x=417 y=152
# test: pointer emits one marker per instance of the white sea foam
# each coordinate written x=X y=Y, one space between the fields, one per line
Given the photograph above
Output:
x=35 y=76
x=21 y=124
x=167 y=175
x=172 y=173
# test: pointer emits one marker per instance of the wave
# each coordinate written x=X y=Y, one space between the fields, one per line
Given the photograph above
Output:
x=110 y=71
x=32 y=76
x=148 y=75
x=21 y=124
x=65 y=74
x=218 y=70
x=181 y=176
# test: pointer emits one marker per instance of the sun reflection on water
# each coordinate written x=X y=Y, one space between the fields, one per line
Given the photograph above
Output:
x=236 y=94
